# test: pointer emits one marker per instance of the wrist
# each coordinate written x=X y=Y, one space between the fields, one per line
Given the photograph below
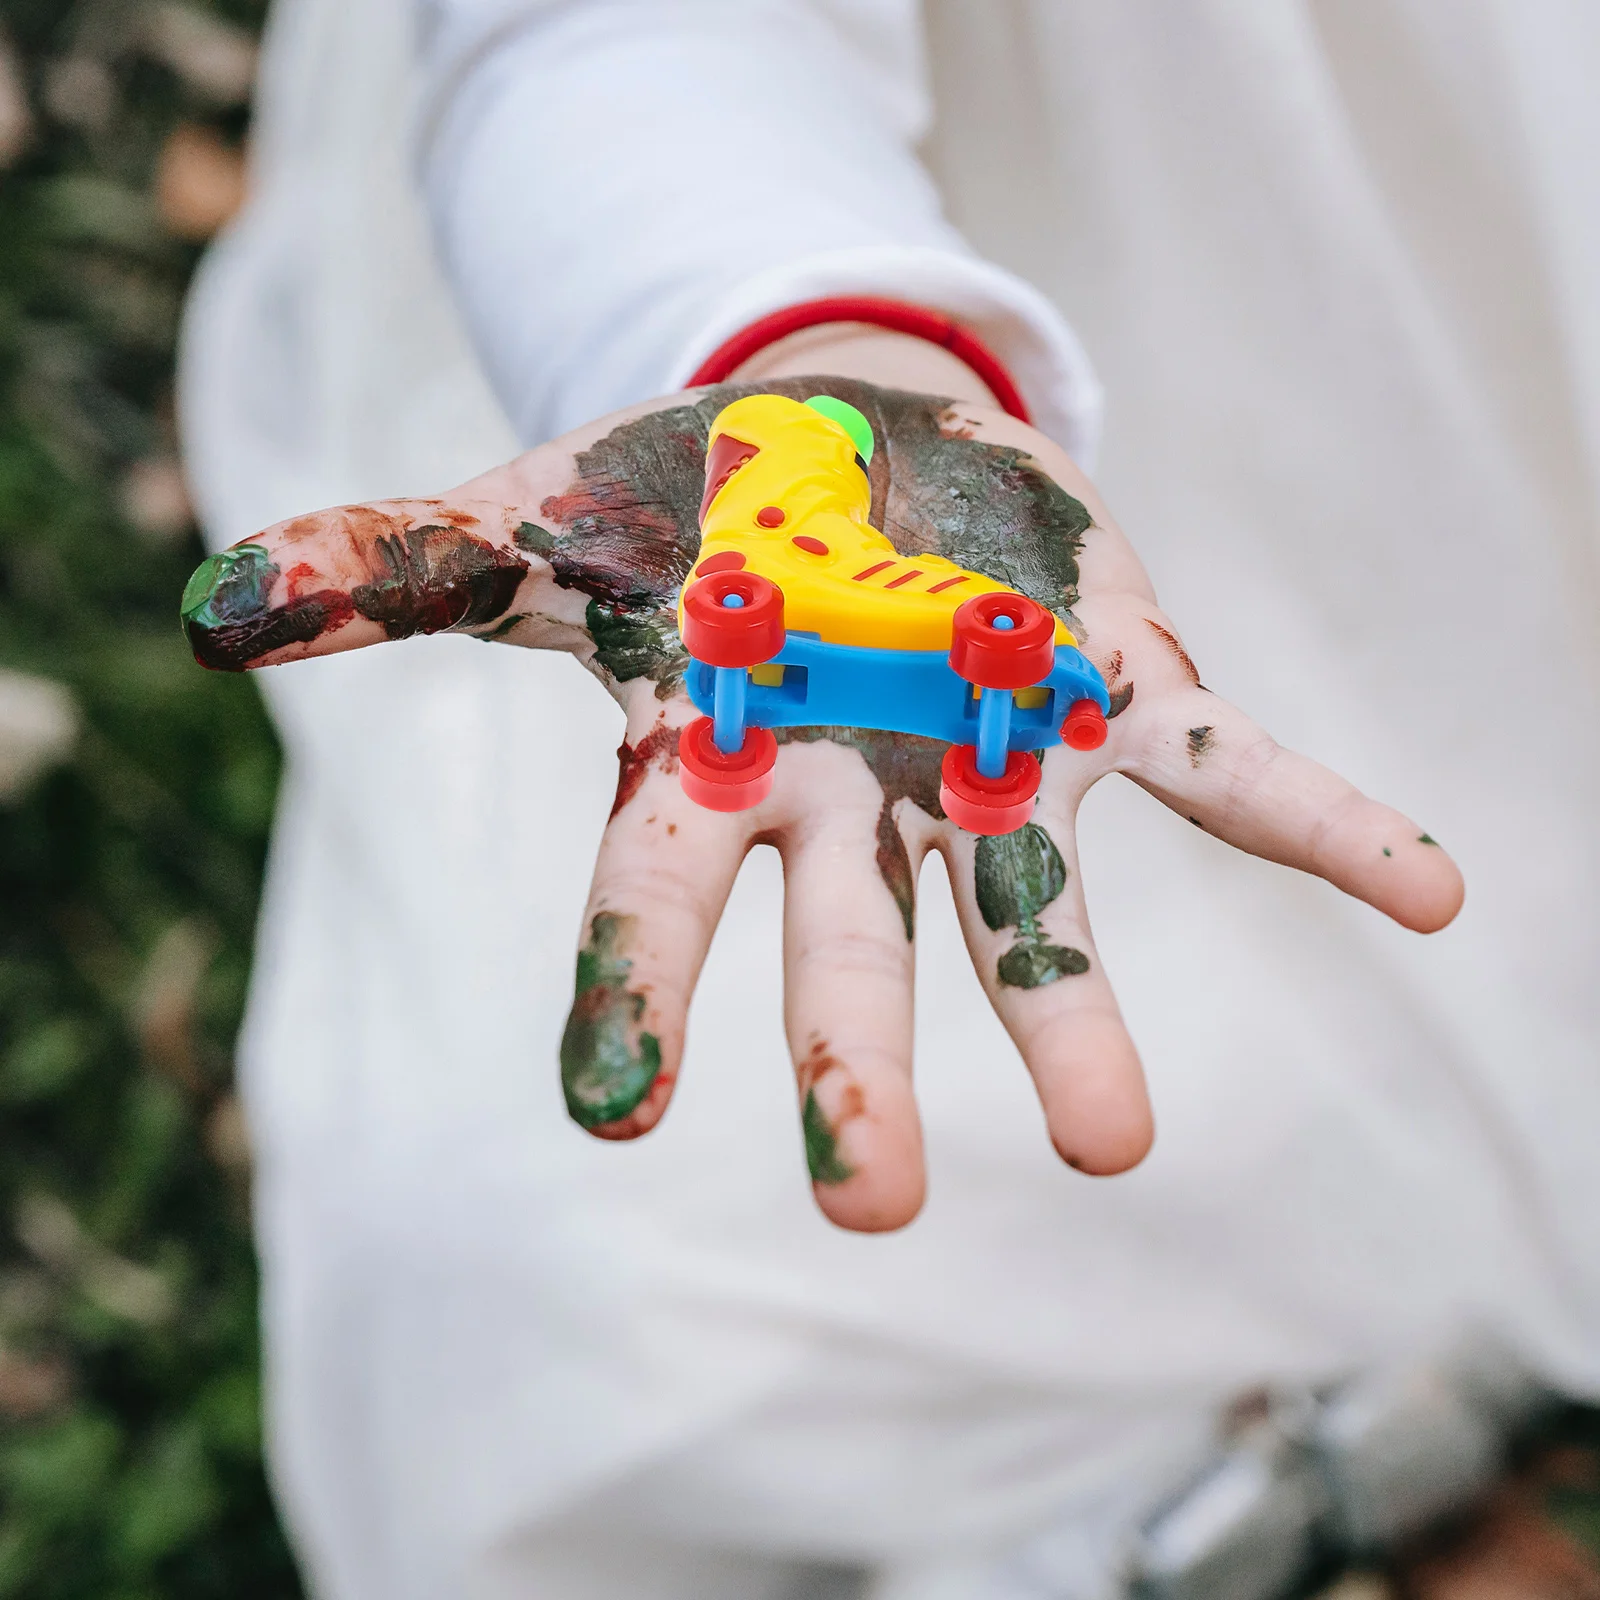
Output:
x=870 y=354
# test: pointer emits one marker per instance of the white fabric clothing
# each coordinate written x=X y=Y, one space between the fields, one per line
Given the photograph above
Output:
x=1334 y=263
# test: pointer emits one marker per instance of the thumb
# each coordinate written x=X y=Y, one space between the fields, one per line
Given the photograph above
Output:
x=471 y=561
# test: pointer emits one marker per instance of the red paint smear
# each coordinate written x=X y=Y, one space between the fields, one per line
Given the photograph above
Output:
x=658 y=749
x=337 y=605
x=609 y=502
x=298 y=576
x=645 y=1115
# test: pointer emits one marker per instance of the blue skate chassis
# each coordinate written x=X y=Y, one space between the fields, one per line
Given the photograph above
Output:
x=895 y=691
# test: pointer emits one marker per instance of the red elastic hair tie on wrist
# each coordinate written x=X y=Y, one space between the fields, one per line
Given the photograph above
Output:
x=899 y=316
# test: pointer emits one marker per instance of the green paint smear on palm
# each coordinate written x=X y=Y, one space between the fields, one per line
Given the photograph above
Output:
x=605 y=1069
x=1015 y=876
x=822 y=1145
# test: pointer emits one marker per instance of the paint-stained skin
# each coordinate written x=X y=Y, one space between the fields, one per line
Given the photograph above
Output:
x=607 y=1064
x=626 y=561
x=228 y=617
x=1015 y=876
x=905 y=764
x=1121 y=693
x=822 y=1144
x=820 y=1132
x=437 y=577
x=413 y=579
x=1200 y=741
x=658 y=749
x=504 y=627
x=1175 y=645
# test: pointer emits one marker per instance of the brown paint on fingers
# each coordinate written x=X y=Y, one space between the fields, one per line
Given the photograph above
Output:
x=862 y=1145
x=1175 y=645
x=657 y=750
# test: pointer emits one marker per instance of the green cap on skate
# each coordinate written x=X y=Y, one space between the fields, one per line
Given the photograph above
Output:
x=848 y=418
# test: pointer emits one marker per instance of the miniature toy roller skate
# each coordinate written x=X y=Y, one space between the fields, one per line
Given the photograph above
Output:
x=800 y=613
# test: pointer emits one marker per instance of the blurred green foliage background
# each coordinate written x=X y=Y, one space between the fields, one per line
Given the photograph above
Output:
x=135 y=797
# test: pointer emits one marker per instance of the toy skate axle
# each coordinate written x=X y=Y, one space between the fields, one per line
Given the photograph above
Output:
x=994 y=720
x=727 y=699
x=994 y=731
x=727 y=709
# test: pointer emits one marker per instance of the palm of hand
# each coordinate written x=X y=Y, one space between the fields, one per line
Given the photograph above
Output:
x=584 y=543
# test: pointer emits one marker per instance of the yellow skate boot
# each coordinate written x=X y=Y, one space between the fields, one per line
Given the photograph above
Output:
x=787 y=493
x=799 y=612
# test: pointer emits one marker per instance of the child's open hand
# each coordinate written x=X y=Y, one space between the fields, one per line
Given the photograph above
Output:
x=582 y=545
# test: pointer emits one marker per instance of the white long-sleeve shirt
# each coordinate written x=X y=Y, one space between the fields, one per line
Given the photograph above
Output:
x=688 y=169
x=1335 y=270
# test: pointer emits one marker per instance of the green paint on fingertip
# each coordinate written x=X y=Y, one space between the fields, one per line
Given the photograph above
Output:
x=822 y=1144
x=1424 y=838
x=1387 y=851
x=198 y=589
x=227 y=611
x=228 y=586
x=606 y=1070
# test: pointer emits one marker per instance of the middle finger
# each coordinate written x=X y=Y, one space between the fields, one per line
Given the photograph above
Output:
x=849 y=876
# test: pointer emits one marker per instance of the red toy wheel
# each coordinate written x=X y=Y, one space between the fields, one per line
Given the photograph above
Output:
x=1003 y=641
x=743 y=634
x=722 y=782
x=1085 y=727
x=987 y=805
